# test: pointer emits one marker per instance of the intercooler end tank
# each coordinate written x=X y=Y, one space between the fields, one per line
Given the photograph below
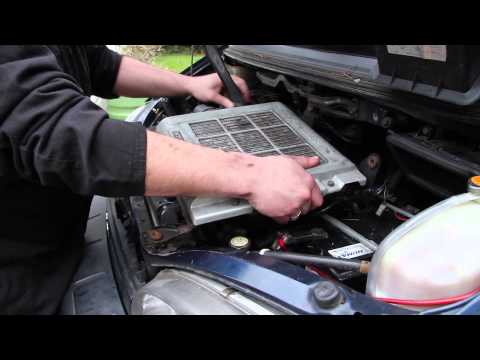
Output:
x=432 y=257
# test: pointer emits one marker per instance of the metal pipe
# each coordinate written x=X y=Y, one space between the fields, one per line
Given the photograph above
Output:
x=398 y=210
x=350 y=232
x=152 y=212
x=323 y=261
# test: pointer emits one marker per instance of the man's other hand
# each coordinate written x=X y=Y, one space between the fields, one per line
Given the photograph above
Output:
x=210 y=89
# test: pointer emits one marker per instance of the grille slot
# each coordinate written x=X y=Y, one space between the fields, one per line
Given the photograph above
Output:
x=220 y=142
x=282 y=136
x=265 y=119
x=303 y=150
x=238 y=123
x=268 y=153
x=252 y=141
x=206 y=128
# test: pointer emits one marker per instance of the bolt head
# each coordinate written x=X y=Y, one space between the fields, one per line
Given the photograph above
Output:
x=426 y=131
x=155 y=235
x=373 y=161
x=387 y=122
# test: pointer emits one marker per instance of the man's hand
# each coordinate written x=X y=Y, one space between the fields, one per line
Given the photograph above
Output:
x=209 y=88
x=284 y=190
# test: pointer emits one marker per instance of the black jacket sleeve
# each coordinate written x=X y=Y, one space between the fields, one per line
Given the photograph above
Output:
x=52 y=134
x=104 y=64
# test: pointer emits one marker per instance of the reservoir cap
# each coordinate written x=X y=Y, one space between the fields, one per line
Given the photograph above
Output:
x=474 y=185
x=240 y=243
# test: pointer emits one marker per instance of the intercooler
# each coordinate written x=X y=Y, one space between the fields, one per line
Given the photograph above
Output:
x=261 y=130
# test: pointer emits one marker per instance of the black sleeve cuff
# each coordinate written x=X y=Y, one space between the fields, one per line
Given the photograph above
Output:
x=122 y=146
x=104 y=64
x=139 y=162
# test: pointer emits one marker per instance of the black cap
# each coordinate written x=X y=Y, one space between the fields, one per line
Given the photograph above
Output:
x=327 y=294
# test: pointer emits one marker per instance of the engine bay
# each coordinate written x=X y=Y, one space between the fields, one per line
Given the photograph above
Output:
x=397 y=166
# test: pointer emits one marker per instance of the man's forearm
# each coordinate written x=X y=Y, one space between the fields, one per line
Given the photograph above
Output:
x=178 y=168
x=137 y=79
x=276 y=186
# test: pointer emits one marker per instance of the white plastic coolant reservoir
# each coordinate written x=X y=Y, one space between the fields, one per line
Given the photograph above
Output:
x=434 y=255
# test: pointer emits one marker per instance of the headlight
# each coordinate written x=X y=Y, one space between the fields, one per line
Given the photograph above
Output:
x=175 y=292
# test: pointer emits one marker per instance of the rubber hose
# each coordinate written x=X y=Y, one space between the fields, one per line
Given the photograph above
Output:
x=220 y=68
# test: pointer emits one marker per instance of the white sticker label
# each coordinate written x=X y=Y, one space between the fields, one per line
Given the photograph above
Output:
x=428 y=52
x=350 y=252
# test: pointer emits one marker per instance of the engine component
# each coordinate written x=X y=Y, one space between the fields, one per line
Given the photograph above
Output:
x=240 y=243
x=431 y=258
x=325 y=261
x=338 y=107
x=157 y=236
x=203 y=108
x=370 y=167
x=152 y=212
x=350 y=232
x=439 y=167
x=451 y=75
x=261 y=130
x=397 y=210
x=285 y=239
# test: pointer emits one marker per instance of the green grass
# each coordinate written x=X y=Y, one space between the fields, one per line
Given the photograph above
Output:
x=120 y=108
x=175 y=62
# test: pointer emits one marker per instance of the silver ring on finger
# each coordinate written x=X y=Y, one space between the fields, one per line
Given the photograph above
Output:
x=297 y=216
x=306 y=208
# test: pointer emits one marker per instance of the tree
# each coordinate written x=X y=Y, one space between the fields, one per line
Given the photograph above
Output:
x=147 y=53
x=144 y=53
